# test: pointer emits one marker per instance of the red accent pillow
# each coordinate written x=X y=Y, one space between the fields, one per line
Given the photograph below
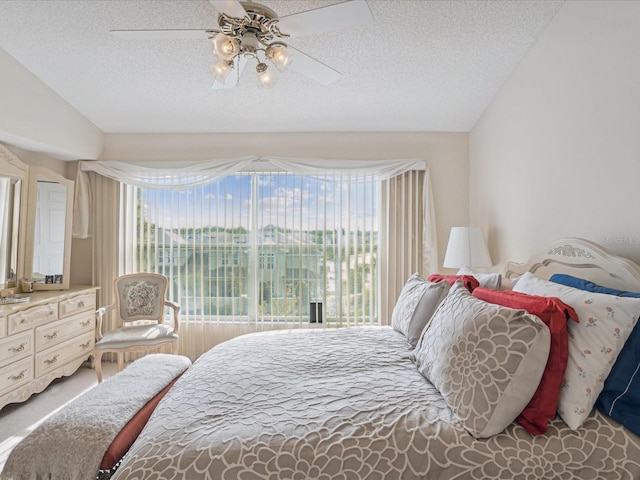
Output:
x=131 y=430
x=468 y=281
x=554 y=313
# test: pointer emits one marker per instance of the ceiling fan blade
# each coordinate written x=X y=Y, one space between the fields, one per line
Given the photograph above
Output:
x=232 y=79
x=313 y=69
x=353 y=13
x=162 y=34
x=231 y=8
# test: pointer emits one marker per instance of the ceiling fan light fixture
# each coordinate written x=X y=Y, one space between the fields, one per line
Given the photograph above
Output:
x=221 y=70
x=250 y=43
x=266 y=78
x=225 y=47
x=248 y=31
x=280 y=55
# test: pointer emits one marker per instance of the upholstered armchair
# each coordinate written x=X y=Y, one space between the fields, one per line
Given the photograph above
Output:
x=139 y=310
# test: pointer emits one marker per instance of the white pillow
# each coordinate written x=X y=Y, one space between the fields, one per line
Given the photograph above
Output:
x=485 y=360
x=594 y=343
x=486 y=280
x=508 y=283
x=415 y=306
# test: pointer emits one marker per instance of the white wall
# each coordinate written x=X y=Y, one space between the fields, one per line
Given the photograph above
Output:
x=34 y=117
x=557 y=153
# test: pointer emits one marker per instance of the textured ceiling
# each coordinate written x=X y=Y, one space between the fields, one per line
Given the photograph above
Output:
x=421 y=66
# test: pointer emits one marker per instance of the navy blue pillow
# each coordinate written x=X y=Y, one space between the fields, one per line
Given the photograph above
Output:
x=620 y=397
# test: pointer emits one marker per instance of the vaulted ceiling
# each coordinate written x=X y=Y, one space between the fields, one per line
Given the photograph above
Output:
x=420 y=66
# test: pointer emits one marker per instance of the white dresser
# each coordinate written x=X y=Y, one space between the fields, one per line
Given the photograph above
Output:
x=46 y=338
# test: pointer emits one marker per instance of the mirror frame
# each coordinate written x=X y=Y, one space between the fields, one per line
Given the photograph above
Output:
x=34 y=174
x=12 y=167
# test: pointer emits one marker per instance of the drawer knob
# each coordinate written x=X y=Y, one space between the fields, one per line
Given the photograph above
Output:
x=85 y=324
x=18 y=349
x=50 y=336
x=80 y=304
x=53 y=360
x=20 y=376
x=85 y=345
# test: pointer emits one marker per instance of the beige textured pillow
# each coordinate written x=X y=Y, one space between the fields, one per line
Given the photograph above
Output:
x=486 y=360
x=415 y=306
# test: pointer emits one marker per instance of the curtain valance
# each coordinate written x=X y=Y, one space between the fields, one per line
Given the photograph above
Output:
x=181 y=175
x=168 y=175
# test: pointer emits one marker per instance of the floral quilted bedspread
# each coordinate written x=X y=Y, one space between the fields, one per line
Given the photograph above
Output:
x=347 y=404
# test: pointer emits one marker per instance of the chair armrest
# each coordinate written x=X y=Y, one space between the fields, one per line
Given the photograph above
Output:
x=176 y=314
x=100 y=313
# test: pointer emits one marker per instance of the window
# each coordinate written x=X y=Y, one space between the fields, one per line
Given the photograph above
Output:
x=267 y=261
x=263 y=247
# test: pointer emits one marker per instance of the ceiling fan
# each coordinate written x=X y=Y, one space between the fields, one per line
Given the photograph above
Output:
x=250 y=31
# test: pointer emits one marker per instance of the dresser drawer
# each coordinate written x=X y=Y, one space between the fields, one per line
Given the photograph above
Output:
x=3 y=327
x=16 y=347
x=56 y=356
x=57 y=332
x=15 y=374
x=32 y=317
x=78 y=303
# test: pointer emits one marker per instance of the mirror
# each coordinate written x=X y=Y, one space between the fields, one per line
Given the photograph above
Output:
x=48 y=249
x=12 y=222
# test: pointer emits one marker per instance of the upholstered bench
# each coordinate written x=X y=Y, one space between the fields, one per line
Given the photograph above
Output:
x=92 y=433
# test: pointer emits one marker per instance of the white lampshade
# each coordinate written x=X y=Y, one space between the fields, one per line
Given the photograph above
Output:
x=221 y=70
x=467 y=248
x=266 y=78
x=225 y=47
x=280 y=55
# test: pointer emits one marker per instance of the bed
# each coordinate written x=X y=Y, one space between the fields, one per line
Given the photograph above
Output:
x=352 y=404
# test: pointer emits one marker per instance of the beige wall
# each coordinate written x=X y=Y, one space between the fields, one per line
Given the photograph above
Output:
x=557 y=153
x=39 y=120
x=35 y=117
x=446 y=154
x=36 y=159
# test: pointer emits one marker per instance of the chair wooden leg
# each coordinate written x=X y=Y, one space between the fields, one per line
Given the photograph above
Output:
x=120 y=361
x=97 y=357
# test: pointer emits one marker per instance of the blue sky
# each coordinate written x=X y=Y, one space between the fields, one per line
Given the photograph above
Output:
x=289 y=201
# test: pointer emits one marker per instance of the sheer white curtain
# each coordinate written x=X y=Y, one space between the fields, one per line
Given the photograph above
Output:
x=407 y=235
x=406 y=222
x=102 y=197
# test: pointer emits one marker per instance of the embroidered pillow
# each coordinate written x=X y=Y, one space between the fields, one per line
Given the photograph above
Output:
x=554 y=313
x=415 y=306
x=620 y=395
x=594 y=344
x=486 y=360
